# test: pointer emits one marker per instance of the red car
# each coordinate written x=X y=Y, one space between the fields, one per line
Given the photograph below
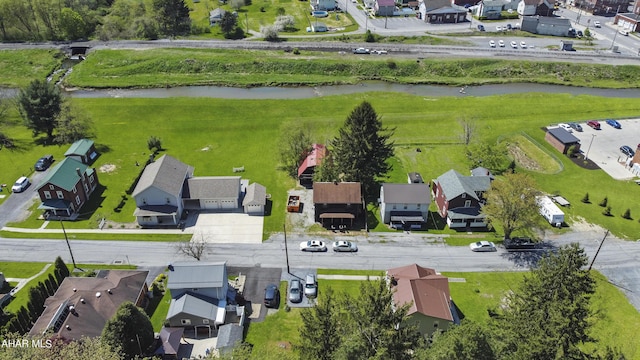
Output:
x=594 y=124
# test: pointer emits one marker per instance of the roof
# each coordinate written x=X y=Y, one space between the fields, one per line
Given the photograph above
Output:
x=64 y=174
x=256 y=195
x=337 y=193
x=465 y=213
x=444 y=10
x=318 y=152
x=211 y=187
x=217 y=12
x=454 y=184
x=92 y=315
x=631 y=16
x=406 y=193
x=166 y=174
x=482 y=171
x=170 y=338
x=192 y=275
x=80 y=147
x=229 y=335
x=200 y=306
x=563 y=136
x=425 y=289
x=386 y=3
x=546 y=20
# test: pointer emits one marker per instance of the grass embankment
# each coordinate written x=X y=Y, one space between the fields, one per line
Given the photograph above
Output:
x=19 y=67
x=215 y=135
x=175 y=67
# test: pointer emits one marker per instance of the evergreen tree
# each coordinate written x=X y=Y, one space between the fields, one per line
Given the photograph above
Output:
x=40 y=104
x=54 y=283
x=319 y=333
x=130 y=330
x=295 y=145
x=585 y=199
x=362 y=149
x=467 y=341
x=604 y=202
x=60 y=265
x=627 y=214
x=173 y=17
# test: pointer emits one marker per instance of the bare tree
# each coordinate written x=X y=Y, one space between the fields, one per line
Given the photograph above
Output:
x=469 y=129
x=194 y=248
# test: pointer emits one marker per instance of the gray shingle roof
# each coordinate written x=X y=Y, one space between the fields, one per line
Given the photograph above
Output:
x=563 y=136
x=190 y=275
x=406 y=193
x=256 y=195
x=192 y=305
x=455 y=184
x=229 y=335
x=212 y=187
x=167 y=174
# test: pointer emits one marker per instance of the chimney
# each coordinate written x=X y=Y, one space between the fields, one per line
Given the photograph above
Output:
x=78 y=172
x=82 y=301
x=98 y=294
x=109 y=291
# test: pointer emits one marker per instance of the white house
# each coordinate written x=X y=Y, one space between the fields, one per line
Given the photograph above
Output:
x=550 y=211
x=404 y=204
x=527 y=7
x=323 y=4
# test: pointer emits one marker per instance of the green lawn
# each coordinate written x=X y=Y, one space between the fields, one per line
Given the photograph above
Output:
x=22 y=296
x=22 y=270
x=19 y=67
x=159 y=313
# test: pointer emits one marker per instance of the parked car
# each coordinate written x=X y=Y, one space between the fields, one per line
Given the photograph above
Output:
x=623 y=32
x=361 y=51
x=43 y=163
x=271 y=296
x=614 y=123
x=575 y=126
x=594 y=124
x=480 y=27
x=565 y=126
x=520 y=243
x=597 y=24
x=311 y=286
x=514 y=44
x=501 y=43
x=509 y=26
x=627 y=150
x=523 y=44
x=21 y=184
x=498 y=28
x=492 y=43
x=483 y=246
x=344 y=246
x=313 y=245
x=379 y=52
x=295 y=291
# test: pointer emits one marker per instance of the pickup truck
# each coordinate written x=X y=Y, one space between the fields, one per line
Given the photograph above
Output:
x=520 y=243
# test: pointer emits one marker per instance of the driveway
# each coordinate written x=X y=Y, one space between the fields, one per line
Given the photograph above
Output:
x=603 y=146
x=257 y=279
x=225 y=228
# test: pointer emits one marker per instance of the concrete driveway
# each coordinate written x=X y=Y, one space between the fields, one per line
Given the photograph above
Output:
x=224 y=228
x=603 y=146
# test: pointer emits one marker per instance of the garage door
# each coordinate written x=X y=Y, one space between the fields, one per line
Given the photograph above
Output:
x=211 y=204
x=228 y=204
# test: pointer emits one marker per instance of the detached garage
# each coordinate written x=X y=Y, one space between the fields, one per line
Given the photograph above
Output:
x=212 y=193
x=561 y=139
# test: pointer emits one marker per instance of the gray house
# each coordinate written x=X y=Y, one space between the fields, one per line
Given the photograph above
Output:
x=546 y=25
x=215 y=16
x=212 y=193
x=255 y=199
x=199 y=293
x=404 y=205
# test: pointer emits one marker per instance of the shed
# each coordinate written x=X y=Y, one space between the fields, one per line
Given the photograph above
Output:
x=319 y=27
x=561 y=139
x=170 y=342
x=83 y=150
x=255 y=199
x=228 y=336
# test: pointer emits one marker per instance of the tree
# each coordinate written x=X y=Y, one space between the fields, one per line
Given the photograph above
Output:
x=511 y=202
x=194 y=248
x=285 y=23
x=270 y=33
x=469 y=130
x=73 y=124
x=607 y=211
x=62 y=267
x=295 y=145
x=467 y=341
x=627 y=214
x=129 y=330
x=173 y=17
x=492 y=156
x=228 y=23
x=585 y=199
x=362 y=149
x=320 y=330
x=236 y=4
x=604 y=202
x=154 y=143
x=369 y=37
x=40 y=104
x=72 y=24
x=548 y=316
x=326 y=171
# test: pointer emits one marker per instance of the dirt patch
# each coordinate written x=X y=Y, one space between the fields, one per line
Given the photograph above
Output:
x=107 y=168
x=522 y=158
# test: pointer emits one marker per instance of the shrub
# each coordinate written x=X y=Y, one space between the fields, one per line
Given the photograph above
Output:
x=296 y=51
x=392 y=64
x=607 y=211
x=270 y=33
x=627 y=214
x=604 y=202
x=154 y=142
x=369 y=37
x=585 y=199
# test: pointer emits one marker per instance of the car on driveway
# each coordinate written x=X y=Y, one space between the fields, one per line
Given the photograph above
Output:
x=627 y=150
x=313 y=245
x=43 y=163
x=575 y=126
x=361 y=51
x=344 y=246
x=295 y=291
x=271 y=296
x=594 y=124
x=614 y=123
x=311 y=286
x=483 y=246
x=565 y=126
x=21 y=184
x=514 y=44
x=492 y=43
x=501 y=43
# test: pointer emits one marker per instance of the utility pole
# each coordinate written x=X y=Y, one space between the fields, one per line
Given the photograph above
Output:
x=286 y=249
x=593 y=136
x=68 y=245
x=599 y=247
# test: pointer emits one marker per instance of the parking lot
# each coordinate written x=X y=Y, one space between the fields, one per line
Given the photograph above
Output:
x=603 y=146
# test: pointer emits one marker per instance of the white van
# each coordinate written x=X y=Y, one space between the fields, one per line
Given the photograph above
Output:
x=623 y=32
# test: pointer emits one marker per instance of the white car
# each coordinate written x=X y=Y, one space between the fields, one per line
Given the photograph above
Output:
x=523 y=44
x=344 y=246
x=501 y=43
x=483 y=246
x=623 y=32
x=361 y=51
x=492 y=43
x=379 y=52
x=498 y=28
x=514 y=44
x=21 y=184
x=313 y=245
x=597 y=24
x=565 y=126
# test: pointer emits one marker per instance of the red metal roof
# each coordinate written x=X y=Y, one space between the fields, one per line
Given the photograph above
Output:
x=314 y=158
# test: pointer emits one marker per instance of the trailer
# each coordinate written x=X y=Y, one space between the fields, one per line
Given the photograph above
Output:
x=550 y=211
x=293 y=204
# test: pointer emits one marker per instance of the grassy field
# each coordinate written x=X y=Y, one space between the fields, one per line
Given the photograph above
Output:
x=19 y=67
x=215 y=135
x=174 y=67
x=22 y=270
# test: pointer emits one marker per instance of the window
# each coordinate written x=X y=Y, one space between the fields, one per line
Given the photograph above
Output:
x=464 y=196
x=60 y=194
x=394 y=206
x=86 y=188
x=168 y=201
x=91 y=178
x=146 y=218
x=75 y=189
x=467 y=203
x=205 y=321
x=77 y=199
x=185 y=321
x=51 y=187
x=418 y=206
x=47 y=195
x=405 y=206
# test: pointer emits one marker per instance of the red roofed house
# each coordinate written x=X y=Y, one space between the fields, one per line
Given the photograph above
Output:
x=428 y=292
x=308 y=166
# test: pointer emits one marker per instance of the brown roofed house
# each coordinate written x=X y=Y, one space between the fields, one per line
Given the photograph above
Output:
x=337 y=203
x=82 y=305
x=428 y=292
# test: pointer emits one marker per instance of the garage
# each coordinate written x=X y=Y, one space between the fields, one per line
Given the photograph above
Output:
x=213 y=193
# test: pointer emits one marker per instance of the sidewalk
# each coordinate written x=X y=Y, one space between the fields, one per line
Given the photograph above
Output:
x=188 y=230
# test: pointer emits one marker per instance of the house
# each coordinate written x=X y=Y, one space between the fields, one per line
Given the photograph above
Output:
x=337 y=203
x=404 y=205
x=200 y=292
x=428 y=293
x=83 y=150
x=384 y=7
x=636 y=7
x=255 y=199
x=490 y=9
x=212 y=193
x=414 y=178
x=543 y=25
x=66 y=188
x=82 y=305
x=326 y=5
x=561 y=139
x=459 y=199
x=215 y=16
x=158 y=193
x=603 y=7
x=169 y=339
x=535 y=7
x=627 y=21
x=443 y=15
x=308 y=166
x=425 y=6
x=482 y=171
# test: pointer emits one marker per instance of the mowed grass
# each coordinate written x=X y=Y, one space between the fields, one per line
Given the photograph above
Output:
x=19 y=67
x=215 y=135
x=174 y=67
x=23 y=270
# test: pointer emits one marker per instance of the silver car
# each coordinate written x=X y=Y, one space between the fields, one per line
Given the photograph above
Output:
x=483 y=246
x=311 y=286
x=344 y=246
x=295 y=291
x=313 y=245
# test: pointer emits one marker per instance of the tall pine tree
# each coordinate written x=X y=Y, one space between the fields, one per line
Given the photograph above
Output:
x=319 y=333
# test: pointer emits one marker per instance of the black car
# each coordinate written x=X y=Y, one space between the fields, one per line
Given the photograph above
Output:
x=43 y=163
x=272 y=296
x=481 y=27
x=520 y=243
x=627 y=150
